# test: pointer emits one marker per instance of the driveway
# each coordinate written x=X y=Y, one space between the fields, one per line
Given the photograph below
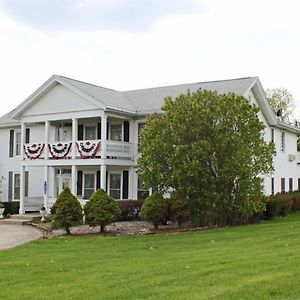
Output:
x=13 y=235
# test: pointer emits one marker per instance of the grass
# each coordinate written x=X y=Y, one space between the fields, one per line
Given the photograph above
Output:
x=249 y=262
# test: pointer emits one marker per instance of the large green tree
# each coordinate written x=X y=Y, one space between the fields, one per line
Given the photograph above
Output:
x=210 y=147
x=282 y=102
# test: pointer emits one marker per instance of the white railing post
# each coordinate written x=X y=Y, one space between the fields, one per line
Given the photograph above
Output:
x=74 y=136
x=103 y=135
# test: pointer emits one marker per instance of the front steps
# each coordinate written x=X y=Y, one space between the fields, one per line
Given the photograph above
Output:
x=22 y=219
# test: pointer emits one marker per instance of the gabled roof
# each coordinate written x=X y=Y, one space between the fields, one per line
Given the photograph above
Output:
x=146 y=101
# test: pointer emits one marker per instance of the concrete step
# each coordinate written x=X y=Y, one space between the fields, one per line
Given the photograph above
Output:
x=27 y=217
x=14 y=221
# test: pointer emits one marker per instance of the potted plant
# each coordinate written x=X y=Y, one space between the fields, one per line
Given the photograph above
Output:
x=2 y=208
x=43 y=213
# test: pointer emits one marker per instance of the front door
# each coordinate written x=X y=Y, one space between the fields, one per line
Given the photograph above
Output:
x=63 y=181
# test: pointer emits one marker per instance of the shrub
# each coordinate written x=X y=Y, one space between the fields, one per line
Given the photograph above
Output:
x=180 y=210
x=101 y=210
x=67 y=210
x=11 y=208
x=154 y=209
x=273 y=207
x=130 y=209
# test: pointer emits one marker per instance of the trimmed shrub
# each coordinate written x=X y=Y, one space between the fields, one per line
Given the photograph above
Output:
x=180 y=210
x=11 y=208
x=67 y=210
x=130 y=209
x=154 y=209
x=101 y=210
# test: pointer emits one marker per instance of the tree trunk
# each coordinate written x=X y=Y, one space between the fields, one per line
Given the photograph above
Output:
x=68 y=232
x=102 y=228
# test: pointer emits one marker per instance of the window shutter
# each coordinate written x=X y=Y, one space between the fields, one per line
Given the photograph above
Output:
x=107 y=130
x=26 y=183
x=126 y=131
x=98 y=180
x=10 y=185
x=106 y=182
x=125 y=185
x=99 y=131
x=11 y=142
x=80 y=132
x=79 y=183
x=27 y=136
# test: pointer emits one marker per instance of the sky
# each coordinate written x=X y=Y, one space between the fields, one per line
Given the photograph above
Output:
x=132 y=44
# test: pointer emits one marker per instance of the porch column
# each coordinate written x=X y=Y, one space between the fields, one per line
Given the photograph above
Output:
x=103 y=135
x=103 y=177
x=130 y=183
x=74 y=180
x=23 y=139
x=22 y=190
x=46 y=187
x=74 y=136
x=47 y=125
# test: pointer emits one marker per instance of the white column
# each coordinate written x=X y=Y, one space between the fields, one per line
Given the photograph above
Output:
x=74 y=180
x=130 y=183
x=103 y=177
x=47 y=125
x=103 y=135
x=74 y=136
x=22 y=190
x=23 y=138
x=46 y=187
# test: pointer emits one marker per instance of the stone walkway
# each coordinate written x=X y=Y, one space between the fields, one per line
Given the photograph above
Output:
x=13 y=235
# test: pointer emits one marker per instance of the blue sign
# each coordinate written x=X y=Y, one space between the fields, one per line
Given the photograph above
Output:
x=45 y=187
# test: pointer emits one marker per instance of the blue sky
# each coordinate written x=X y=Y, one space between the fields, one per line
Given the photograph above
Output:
x=131 y=44
x=92 y=15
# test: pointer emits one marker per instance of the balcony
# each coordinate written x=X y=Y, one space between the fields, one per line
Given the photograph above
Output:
x=87 y=149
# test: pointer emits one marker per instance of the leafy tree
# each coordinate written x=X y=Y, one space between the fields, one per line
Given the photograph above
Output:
x=211 y=147
x=101 y=210
x=67 y=210
x=282 y=102
x=180 y=210
x=154 y=209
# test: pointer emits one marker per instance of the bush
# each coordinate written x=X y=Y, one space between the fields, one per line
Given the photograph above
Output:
x=154 y=209
x=67 y=210
x=101 y=210
x=180 y=210
x=130 y=209
x=11 y=208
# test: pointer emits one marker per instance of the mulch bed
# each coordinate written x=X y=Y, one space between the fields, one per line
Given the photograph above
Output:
x=129 y=228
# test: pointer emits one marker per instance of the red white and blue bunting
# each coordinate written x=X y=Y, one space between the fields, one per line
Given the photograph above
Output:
x=33 y=151
x=59 y=150
x=88 y=149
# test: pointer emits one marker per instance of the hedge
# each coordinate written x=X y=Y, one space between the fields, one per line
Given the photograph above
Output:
x=11 y=207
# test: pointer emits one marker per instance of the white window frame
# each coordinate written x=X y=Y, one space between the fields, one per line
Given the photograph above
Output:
x=122 y=130
x=14 y=185
x=90 y=125
x=83 y=181
x=121 y=182
x=17 y=132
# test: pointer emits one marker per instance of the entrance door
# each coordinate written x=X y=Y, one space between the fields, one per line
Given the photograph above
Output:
x=63 y=181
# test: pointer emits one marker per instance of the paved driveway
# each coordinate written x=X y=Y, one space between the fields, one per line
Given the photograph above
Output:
x=13 y=235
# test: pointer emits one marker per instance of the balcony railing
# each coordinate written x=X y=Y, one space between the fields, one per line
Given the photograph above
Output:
x=87 y=149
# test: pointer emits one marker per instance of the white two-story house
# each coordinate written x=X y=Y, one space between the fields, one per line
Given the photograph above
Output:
x=80 y=135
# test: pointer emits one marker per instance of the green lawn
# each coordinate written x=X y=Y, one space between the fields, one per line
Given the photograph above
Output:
x=249 y=262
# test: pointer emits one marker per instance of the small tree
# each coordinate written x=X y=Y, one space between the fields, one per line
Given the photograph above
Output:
x=154 y=209
x=67 y=210
x=180 y=209
x=101 y=210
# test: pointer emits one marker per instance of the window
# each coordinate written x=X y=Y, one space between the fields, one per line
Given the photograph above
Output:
x=140 y=127
x=282 y=144
x=272 y=186
x=282 y=185
x=16 y=186
x=272 y=135
x=88 y=185
x=64 y=133
x=18 y=143
x=142 y=192
x=116 y=132
x=115 y=185
x=290 y=184
x=90 y=132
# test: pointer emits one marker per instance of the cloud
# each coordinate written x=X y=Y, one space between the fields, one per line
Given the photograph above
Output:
x=93 y=15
